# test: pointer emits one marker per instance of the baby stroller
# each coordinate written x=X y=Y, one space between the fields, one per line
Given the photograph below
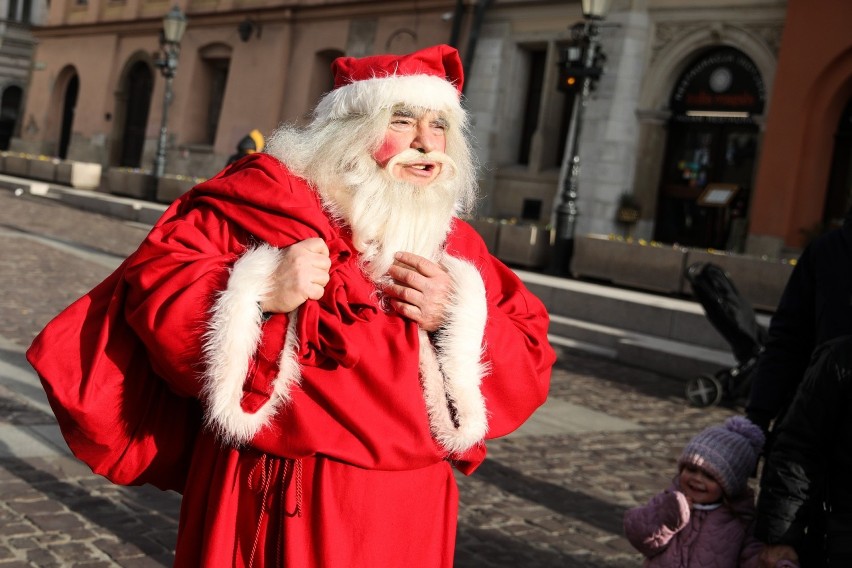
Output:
x=734 y=318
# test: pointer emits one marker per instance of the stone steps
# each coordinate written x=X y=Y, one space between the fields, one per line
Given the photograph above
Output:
x=667 y=335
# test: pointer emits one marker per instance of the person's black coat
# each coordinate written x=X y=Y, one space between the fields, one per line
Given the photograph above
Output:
x=816 y=306
x=807 y=481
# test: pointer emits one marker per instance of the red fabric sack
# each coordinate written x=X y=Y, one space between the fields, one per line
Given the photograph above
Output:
x=116 y=414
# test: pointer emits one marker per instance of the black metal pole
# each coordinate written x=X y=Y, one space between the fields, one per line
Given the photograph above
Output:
x=567 y=210
x=160 y=158
x=168 y=67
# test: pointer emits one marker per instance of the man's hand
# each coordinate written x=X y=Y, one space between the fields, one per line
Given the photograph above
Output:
x=420 y=291
x=301 y=275
x=772 y=554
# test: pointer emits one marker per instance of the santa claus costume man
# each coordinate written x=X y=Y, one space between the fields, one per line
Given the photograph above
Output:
x=349 y=338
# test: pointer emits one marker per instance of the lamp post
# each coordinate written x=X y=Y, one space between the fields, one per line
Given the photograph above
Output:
x=583 y=57
x=174 y=24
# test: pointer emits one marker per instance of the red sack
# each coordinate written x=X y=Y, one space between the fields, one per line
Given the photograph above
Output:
x=116 y=414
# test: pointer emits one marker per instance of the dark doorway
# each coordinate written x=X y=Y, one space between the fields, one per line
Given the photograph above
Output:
x=535 y=84
x=838 y=197
x=705 y=186
x=702 y=156
x=10 y=109
x=140 y=82
x=71 y=92
x=218 y=73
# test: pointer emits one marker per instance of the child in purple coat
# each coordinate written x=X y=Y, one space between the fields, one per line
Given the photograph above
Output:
x=705 y=519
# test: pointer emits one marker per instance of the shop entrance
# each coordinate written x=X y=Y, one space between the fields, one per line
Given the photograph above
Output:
x=706 y=182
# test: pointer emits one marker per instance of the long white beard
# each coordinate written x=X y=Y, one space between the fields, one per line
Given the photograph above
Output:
x=387 y=215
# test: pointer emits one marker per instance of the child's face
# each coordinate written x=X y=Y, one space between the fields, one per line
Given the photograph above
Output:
x=698 y=486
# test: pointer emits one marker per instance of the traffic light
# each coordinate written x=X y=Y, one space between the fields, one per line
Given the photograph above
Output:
x=569 y=82
x=571 y=70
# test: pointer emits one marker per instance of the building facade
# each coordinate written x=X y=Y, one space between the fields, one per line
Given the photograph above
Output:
x=97 y=93
x=726 y=121
x=17 y=45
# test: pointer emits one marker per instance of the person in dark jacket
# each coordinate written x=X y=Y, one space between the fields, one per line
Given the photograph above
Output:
x=804 y=511
x=816 y=306
x=248 y=144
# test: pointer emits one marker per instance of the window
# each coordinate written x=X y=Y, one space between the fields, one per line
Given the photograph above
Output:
x=544 y=101
x=210 y=81
x=532 y=106
x=19 y=11
x=218 y=73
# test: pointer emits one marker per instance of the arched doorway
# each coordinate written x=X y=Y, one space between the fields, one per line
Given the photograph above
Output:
x=68 y=108
x=706 y=181
x=838 y=197
x=139 y=83
x=10 y=110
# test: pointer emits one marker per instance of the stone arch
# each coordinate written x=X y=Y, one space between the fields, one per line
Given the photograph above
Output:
x=672 y=59
x=57 y=120
x=827 y=98
x=676 y=46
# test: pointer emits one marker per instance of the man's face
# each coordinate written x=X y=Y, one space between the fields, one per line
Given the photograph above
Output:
x=422 y=133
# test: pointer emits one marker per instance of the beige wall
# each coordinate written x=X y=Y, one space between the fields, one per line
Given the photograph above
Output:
x=274 y=77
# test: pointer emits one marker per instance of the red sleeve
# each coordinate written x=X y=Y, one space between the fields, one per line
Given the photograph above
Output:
x=173 y=280
x=516 y=353
x=184 y=296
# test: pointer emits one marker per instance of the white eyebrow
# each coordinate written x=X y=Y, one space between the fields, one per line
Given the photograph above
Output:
x=441 y=121
x=404 y=112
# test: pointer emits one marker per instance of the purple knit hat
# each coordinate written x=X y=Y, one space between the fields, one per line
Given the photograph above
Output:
x=728 y=452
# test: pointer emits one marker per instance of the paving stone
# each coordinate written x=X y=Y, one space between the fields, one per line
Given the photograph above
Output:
x=73 y=552
x=17 y=529
x=64 y=521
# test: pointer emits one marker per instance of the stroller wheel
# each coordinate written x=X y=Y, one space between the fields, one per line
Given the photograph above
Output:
x=704 y=390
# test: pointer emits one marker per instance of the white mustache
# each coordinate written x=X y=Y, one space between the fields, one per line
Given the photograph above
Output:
x=412 y=156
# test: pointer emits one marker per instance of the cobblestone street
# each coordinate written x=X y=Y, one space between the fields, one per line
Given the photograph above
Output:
x=542 y=499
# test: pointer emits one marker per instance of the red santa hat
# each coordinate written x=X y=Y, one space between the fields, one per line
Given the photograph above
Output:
x=430 y=78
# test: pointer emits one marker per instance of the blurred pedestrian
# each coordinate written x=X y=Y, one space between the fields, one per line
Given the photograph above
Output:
x=248 y=144
x=705 y=518
x=816 y=306
x=805 y=504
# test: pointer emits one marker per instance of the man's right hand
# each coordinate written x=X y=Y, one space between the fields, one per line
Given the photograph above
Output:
x=301 y=275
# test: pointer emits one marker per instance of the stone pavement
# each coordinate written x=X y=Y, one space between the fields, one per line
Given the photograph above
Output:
x=550 y=495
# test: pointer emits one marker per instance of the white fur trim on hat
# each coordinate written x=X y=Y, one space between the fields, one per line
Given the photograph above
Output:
x=364 y=97
x=451 y=364
x=231 y=341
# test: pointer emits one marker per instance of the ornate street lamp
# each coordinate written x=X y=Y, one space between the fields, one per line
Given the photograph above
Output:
x=596 y=9
x=581 y=67
x=174 y=24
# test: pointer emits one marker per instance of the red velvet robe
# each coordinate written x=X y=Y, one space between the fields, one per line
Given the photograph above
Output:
x=330 y=431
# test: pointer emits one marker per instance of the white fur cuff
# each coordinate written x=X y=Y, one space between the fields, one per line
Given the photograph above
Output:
x=452 y=369
x=231 y=341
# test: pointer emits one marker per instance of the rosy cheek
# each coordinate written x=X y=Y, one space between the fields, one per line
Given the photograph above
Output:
x=385 y=152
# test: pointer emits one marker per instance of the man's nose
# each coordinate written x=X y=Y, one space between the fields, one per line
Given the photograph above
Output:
x=424 y=139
